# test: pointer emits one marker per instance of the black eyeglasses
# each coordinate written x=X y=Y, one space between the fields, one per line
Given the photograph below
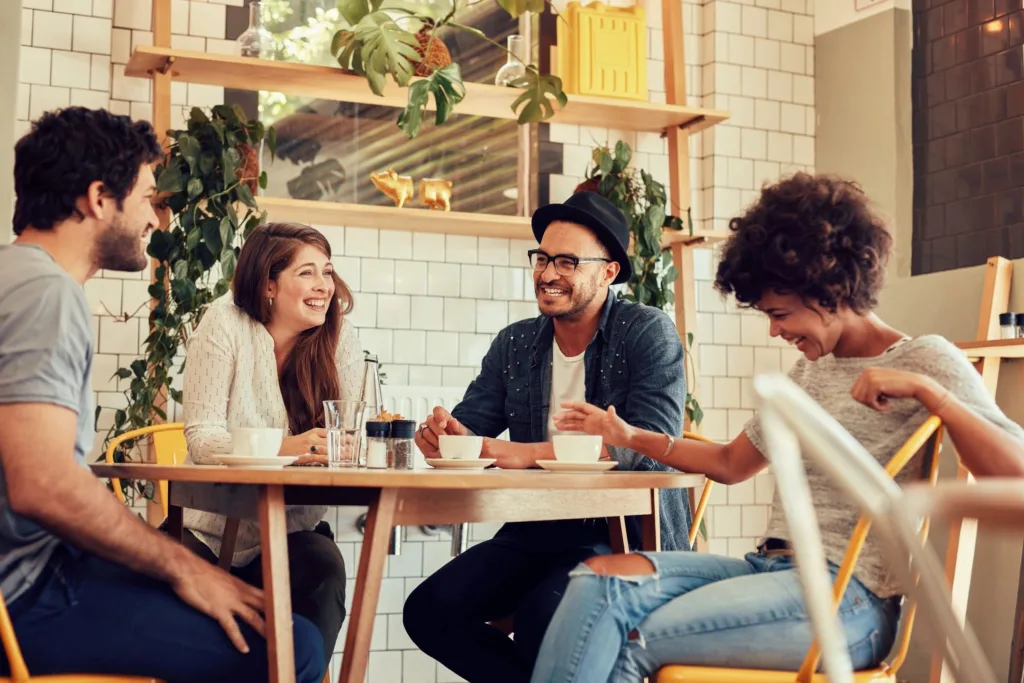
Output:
x=564 y=263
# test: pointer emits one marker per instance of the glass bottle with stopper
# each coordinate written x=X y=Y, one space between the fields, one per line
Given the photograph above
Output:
x=515 y=66
x=256 y=41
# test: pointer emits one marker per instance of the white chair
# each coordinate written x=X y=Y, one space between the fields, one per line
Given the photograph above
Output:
x=793 y=425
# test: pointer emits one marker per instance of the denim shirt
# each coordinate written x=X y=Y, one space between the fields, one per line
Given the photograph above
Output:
x=634 y=362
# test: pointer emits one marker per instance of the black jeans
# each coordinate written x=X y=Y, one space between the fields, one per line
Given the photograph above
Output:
x=317 y=578
x=522 y=572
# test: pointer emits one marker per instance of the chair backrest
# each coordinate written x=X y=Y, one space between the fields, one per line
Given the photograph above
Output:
x=19 y=671
x=169 y=448
x=702 y=504
x=794 y=424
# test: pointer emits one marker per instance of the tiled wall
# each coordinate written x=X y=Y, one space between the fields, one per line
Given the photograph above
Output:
x=429 y=305
x=968 y=103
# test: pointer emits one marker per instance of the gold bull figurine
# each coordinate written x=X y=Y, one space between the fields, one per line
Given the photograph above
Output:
x=436 y=193
x=398 y=188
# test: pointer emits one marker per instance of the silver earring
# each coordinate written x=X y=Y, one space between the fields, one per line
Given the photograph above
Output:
x=270 y=300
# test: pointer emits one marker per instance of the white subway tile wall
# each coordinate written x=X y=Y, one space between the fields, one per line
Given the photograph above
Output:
x=429 y=305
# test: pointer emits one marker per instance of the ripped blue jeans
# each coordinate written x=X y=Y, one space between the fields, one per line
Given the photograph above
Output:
x=699 y=609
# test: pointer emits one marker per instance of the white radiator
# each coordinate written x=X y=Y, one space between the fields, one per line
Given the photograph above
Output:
x=416 y=403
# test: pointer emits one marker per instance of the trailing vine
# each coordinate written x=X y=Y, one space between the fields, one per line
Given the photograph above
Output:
x=208 y=181
x=644 y=202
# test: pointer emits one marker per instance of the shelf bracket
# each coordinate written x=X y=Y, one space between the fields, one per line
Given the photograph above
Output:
x=695 y=121
x=166 y=66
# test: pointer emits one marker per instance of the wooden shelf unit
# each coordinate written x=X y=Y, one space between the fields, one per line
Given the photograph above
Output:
x=994 y=348
x=331 y=83
x=414 y=219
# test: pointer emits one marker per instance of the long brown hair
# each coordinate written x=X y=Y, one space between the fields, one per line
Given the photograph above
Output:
x=310 y=375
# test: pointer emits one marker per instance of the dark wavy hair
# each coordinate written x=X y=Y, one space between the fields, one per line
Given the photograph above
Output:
x=68 y=150
x=815 y=236
x=310 y=374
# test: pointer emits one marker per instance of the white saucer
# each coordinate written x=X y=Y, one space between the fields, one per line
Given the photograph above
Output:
x=452 y=464
x=569 y=466
x=273 y=463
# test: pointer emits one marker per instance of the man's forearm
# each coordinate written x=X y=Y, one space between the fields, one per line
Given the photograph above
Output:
x=77 y=507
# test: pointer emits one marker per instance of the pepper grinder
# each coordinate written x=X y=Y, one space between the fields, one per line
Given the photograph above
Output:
x=371 y=395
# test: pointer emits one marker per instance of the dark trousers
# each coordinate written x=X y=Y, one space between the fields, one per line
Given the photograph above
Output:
x=523 y=571
x=87 y=615
x=317 y=578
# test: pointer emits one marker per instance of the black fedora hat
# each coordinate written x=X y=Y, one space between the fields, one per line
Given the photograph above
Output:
x=592 y=211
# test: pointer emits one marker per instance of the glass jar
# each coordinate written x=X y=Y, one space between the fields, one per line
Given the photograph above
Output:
x=256 y=41
x=1008 y=325
x=377 y=443
x=403 y=444
x=515 y=67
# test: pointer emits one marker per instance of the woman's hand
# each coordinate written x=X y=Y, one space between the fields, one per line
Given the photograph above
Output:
x=876 y=386
x=314 y=441
x=583 y=417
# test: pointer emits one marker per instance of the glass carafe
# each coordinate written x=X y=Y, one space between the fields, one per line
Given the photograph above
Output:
x=256 y=41
x=515 y=67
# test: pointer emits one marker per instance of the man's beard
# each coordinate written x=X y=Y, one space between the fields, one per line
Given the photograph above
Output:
x=582 y=296
x=119 y=248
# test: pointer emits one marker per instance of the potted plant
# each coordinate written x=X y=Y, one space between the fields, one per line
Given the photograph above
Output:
x=399 y=39
x=208 y=182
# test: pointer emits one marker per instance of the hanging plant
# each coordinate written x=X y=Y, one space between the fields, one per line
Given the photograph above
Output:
x=643 y=201
x=401 y=41
x=208 y=181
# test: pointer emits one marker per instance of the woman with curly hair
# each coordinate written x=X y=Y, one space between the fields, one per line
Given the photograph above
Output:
x=810 y=254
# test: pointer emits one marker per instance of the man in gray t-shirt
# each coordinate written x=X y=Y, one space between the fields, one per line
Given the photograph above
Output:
x=45 y=356
x=76 y=565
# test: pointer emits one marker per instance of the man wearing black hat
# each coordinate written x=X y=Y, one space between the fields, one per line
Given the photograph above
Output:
x=586 y=345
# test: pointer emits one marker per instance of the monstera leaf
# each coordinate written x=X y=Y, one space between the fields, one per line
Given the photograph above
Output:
x=375 y=47
x=445 y=85
x=535 y=104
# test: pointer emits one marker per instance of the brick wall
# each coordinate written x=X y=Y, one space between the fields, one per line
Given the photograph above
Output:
x=429 y=305
x=968 y=103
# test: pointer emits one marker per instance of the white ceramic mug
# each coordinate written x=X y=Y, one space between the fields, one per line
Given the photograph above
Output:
x=455 y=447
x=257 y=442
x=577 y=447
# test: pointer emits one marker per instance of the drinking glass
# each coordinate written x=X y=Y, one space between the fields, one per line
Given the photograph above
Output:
x=344 y=422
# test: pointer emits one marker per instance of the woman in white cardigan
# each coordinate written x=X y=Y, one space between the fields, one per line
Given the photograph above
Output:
x=268 y=355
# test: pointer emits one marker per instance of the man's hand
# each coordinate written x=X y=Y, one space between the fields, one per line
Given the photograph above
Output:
x=515 y=456
x=218 y=594
x=440 y=422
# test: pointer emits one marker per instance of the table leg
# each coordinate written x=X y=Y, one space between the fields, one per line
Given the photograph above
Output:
x=651 y=524
x=376 y=536
x=617 y=533
x=276 y=584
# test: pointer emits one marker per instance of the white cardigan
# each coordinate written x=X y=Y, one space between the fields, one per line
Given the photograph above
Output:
x=231 y=381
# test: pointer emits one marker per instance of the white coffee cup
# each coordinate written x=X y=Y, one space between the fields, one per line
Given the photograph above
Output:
x=258 y=442
x=455 y=447
x=577 y=447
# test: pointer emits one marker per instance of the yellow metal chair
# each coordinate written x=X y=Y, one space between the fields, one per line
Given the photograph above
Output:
x=19 y=670
x=886 y=672
x=705 y=495
x=169 y=448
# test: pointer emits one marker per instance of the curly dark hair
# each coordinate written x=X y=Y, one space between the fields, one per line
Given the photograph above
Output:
x=815 y=236
x=68 y=150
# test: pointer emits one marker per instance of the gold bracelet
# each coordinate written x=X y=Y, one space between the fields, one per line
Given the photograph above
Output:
x=942 y=403
x=668 y=448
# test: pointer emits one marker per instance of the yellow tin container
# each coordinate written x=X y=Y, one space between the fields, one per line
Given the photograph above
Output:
x=602 y=51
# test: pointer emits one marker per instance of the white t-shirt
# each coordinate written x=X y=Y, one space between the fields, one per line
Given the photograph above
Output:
x=568 y=383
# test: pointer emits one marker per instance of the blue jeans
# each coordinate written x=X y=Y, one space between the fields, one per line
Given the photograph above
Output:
x=87 y=615
x=699 y=609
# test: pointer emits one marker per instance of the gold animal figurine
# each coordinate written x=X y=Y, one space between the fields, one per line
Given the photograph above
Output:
x=436 y=193
x=398 y=188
